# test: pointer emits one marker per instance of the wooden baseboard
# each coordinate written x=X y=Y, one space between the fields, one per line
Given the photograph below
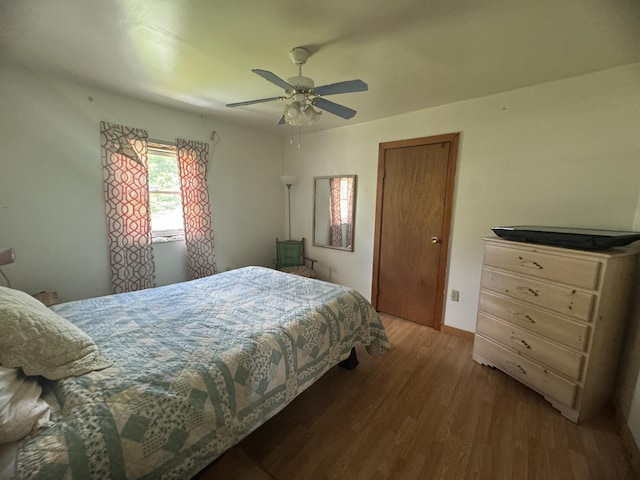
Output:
x=628 y=441
x=456 y=332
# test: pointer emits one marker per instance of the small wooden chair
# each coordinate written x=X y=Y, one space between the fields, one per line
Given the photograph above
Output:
x=290 y=258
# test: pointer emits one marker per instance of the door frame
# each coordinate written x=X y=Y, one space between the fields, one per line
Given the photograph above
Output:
x=453 y=139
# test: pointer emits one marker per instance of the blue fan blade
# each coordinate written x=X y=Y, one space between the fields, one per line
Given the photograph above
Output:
x=342 y=87
x=334 y=108
x=251 y=102
x=273 y=78
x=282 y=121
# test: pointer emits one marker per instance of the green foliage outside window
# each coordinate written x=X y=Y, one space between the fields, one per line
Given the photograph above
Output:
x=164 y=191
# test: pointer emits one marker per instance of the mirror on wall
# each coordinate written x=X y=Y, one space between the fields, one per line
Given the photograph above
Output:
x=334 y=201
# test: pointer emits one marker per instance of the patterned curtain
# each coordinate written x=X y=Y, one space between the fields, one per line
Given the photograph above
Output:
x=335 y=227
x=126 y=193
x=198 y=224
x=340 y=220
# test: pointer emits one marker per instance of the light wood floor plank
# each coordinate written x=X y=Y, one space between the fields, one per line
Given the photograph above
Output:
x=424 y=410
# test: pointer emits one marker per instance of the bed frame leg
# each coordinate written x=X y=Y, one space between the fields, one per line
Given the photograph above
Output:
x=352 y=362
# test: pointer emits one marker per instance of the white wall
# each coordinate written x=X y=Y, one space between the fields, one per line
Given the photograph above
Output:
x=51 y=192
x=565 y=153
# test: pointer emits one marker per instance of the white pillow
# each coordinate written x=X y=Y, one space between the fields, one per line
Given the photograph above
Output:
x=22 y=411
x=42 y=342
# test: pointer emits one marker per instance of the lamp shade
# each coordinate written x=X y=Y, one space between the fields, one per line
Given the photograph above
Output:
x=7 y=256
x=288 y=179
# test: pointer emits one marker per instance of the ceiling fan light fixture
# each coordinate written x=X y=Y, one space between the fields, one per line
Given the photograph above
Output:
x=292 y=111
x=312 y=114
x=293 y=114
x=297 y=113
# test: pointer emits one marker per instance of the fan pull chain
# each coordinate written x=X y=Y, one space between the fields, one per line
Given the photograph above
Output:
x=293 y=135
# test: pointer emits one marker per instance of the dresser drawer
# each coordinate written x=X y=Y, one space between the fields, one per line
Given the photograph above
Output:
x=568 y=301
x=573 y=271
x=572 y=334
x=548 y=383
x=531 y=346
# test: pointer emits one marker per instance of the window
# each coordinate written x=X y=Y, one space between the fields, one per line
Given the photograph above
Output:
x=165 y=198
x=144 y=204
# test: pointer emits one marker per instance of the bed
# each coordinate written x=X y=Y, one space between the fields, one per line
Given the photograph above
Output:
x=184 y=372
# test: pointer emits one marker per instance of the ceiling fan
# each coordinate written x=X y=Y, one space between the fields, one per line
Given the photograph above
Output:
x=302 y=97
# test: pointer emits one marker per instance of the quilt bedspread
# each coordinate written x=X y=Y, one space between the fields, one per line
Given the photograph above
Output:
x=197 y=367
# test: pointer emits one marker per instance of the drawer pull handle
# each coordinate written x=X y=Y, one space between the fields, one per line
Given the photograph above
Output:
x=520 y=341
x=524 y=316
x=515 y=366
x=527 y=291
x=530 y=264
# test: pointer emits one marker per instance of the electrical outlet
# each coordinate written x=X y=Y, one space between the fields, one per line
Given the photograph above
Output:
x=455 y=296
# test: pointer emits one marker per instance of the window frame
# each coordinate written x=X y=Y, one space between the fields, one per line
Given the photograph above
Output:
x=170 y=235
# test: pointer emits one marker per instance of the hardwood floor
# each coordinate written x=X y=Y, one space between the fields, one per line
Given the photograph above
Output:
x=425 y=410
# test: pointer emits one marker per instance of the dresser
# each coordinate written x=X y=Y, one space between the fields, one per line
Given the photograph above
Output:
x=554 y=319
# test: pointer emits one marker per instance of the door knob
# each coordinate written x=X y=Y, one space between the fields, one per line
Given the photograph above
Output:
x=435 y=240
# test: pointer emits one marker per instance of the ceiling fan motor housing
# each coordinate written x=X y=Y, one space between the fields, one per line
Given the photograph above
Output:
x=302 y=84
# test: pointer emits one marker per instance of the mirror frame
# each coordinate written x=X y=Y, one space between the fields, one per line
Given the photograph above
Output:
x=353 y=211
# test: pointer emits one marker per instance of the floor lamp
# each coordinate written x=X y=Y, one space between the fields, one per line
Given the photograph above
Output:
x=288 y=180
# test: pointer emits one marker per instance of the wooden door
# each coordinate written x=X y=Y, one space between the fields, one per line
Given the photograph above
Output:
x=413 y=215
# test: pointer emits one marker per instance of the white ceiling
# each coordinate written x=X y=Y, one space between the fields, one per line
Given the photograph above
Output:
x=414 y=54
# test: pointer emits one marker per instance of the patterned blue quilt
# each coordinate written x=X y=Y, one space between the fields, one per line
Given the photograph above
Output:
x=197 y=367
